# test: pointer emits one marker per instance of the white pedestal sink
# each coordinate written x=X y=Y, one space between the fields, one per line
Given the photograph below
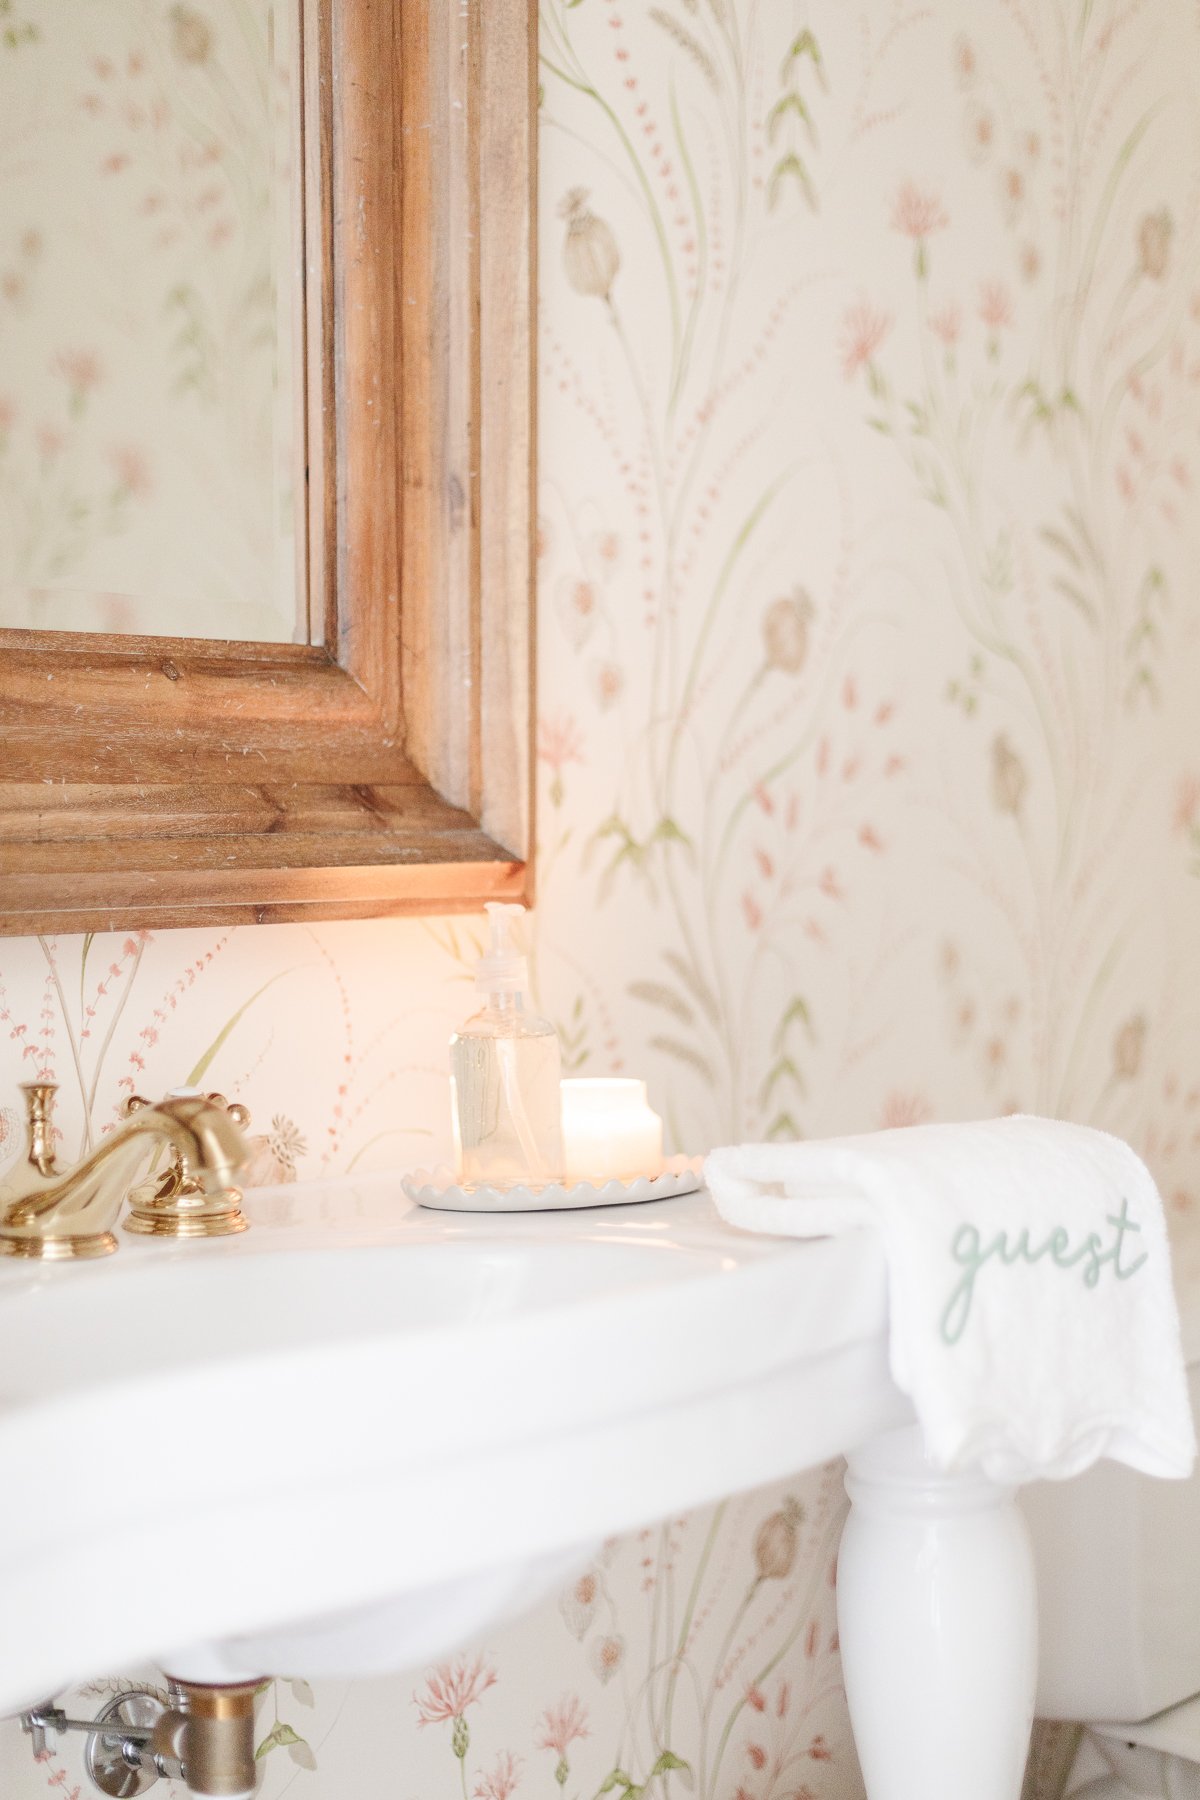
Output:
x=427 y=1415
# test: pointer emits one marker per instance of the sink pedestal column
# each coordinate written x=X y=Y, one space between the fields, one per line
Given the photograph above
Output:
x=937 y=1616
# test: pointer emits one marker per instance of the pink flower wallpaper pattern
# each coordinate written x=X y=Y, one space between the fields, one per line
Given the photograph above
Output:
x=869 y=770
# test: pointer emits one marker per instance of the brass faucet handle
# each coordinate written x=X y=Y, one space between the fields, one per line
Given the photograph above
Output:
x=174 y=1202
x=238 y=1113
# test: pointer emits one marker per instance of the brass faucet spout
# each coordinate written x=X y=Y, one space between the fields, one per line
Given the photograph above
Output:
x=46 y=1211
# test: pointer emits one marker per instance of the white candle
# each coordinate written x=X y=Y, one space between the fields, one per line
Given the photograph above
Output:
x=609 y=1131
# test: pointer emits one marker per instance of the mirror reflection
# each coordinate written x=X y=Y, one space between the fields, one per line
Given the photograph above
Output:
x=151 y=399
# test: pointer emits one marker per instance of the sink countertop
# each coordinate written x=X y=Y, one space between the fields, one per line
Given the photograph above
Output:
x=359 y=1398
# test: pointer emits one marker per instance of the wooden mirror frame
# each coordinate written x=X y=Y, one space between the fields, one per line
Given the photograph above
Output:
x=150 y=782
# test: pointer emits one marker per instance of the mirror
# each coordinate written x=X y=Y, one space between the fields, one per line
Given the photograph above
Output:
x=266 y=520
x=151 y=319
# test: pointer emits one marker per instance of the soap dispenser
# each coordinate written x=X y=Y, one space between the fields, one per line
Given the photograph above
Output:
x=505 y=1073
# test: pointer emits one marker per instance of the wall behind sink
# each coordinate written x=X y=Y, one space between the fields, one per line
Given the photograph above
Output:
x=869 y=774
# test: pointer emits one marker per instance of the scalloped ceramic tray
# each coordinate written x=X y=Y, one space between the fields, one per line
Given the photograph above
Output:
x=437 y=1189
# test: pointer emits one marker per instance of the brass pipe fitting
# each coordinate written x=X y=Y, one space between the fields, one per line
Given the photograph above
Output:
x=216 y=1742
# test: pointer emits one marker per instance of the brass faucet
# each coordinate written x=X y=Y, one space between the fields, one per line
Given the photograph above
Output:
x=58 y=1213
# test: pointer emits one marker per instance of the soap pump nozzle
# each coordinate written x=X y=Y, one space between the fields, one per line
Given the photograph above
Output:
x=502 y=969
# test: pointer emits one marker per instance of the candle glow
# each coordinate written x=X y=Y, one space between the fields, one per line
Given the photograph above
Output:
x=609 y=1131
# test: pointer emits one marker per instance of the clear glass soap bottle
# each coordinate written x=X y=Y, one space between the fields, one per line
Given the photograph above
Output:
x=505 y=1072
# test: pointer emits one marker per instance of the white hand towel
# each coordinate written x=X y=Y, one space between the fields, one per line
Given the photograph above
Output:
x=1033 y=1320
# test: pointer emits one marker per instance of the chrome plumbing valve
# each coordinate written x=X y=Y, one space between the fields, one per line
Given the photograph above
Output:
x=202 y=1736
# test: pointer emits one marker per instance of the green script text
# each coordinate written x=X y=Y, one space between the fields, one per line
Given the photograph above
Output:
x=971 y=1253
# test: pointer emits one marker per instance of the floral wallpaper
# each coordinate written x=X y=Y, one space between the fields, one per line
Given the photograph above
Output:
x=868 y=757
